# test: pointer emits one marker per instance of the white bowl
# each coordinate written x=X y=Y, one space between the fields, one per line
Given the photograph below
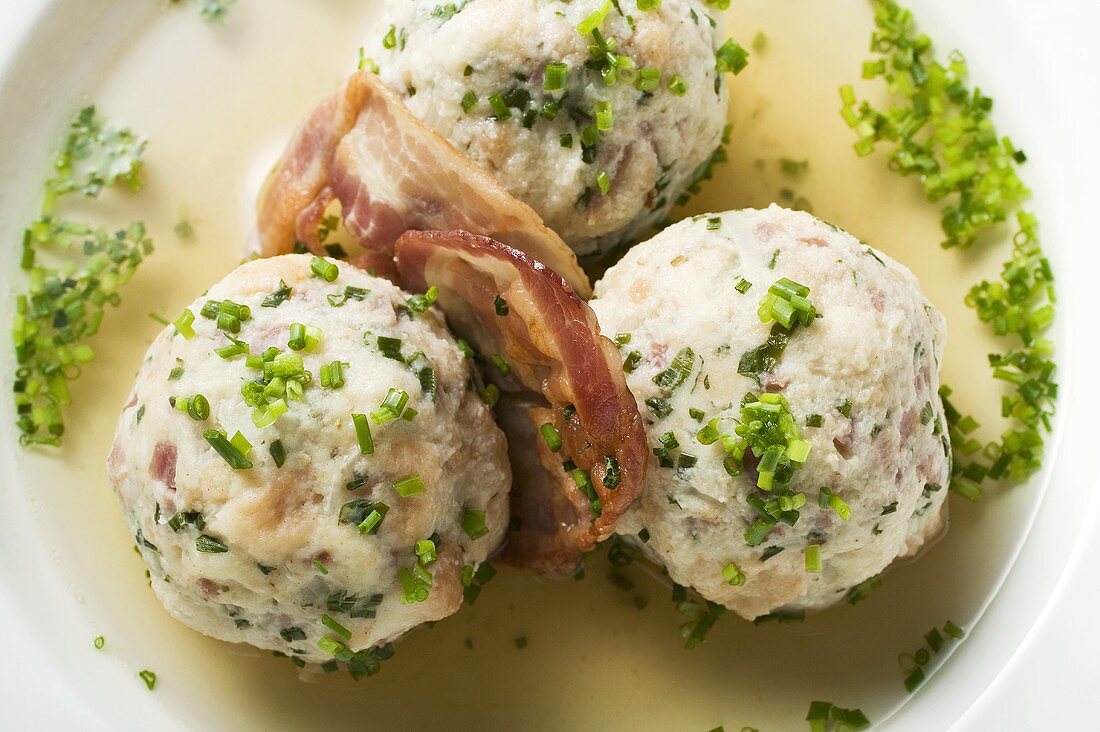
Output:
x=1014 y=569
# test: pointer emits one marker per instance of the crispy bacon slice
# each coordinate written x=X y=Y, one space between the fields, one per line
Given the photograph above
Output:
x=547 y=354
x=391 y=173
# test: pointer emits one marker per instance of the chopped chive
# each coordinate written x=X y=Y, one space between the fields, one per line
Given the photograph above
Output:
x=390 y=347
x=210 y=545
x=648 y=80
x=819 y=712
x=425 y=551
x=590 y=136
x=183 y=324
x=630 y=363
x=613 y=475
x=198 y=408
x=363 y=434
x=332 y=624
x=332 y=375
x=324 y=269
x=733 y=575
x=678 y=370
x=278 y=297
x=770 y=552
x=793 y=167
x=500 y=306
x=605 y=117
x=603 y=182
x=469 y=101
x=421 y=302
x=241 y=443
x=500 y=108
x=149 y=678
x=184 y=518
x=350 y=293
x=758 y=532
x=235 y=348
x=551 y=437
x=304 y=337
x=411 y=486
x=660 y=406
x=554 y=77
x=731 y=57
x=861 y=591
x=678 y=86
x=465 y=349
x=229 y=451
x=953 y=630
x=473 y=523
x=277 y=452
x=812 y=554
x=502 y=365
x=594 y=19
x=390 y=39
x=335 y=648
x=490 y=395
x=372 y=520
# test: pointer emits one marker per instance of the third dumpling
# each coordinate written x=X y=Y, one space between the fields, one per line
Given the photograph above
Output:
x=789 y=376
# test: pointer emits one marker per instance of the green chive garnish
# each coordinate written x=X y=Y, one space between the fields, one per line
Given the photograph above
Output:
x=362 y=433
x=229 y=452
x=183 y=323
x=331 y=623
x=812 y=554
x=469 y=101
x=278 y=453
x=733 y=575
x=473 y=523
x=551 y=437
x=411 y=486
x=210 y=545
x=324 y=269
x=731 y=57
x=555 y=75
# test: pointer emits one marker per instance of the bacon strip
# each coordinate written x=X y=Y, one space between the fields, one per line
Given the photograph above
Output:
x=391 y=173
x=560 y=365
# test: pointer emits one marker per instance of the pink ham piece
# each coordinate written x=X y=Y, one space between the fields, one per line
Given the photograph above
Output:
x=390 y=173
x=557 y=365
x=162 y=466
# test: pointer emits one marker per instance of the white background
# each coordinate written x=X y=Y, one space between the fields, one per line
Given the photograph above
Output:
x=1054 y=678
